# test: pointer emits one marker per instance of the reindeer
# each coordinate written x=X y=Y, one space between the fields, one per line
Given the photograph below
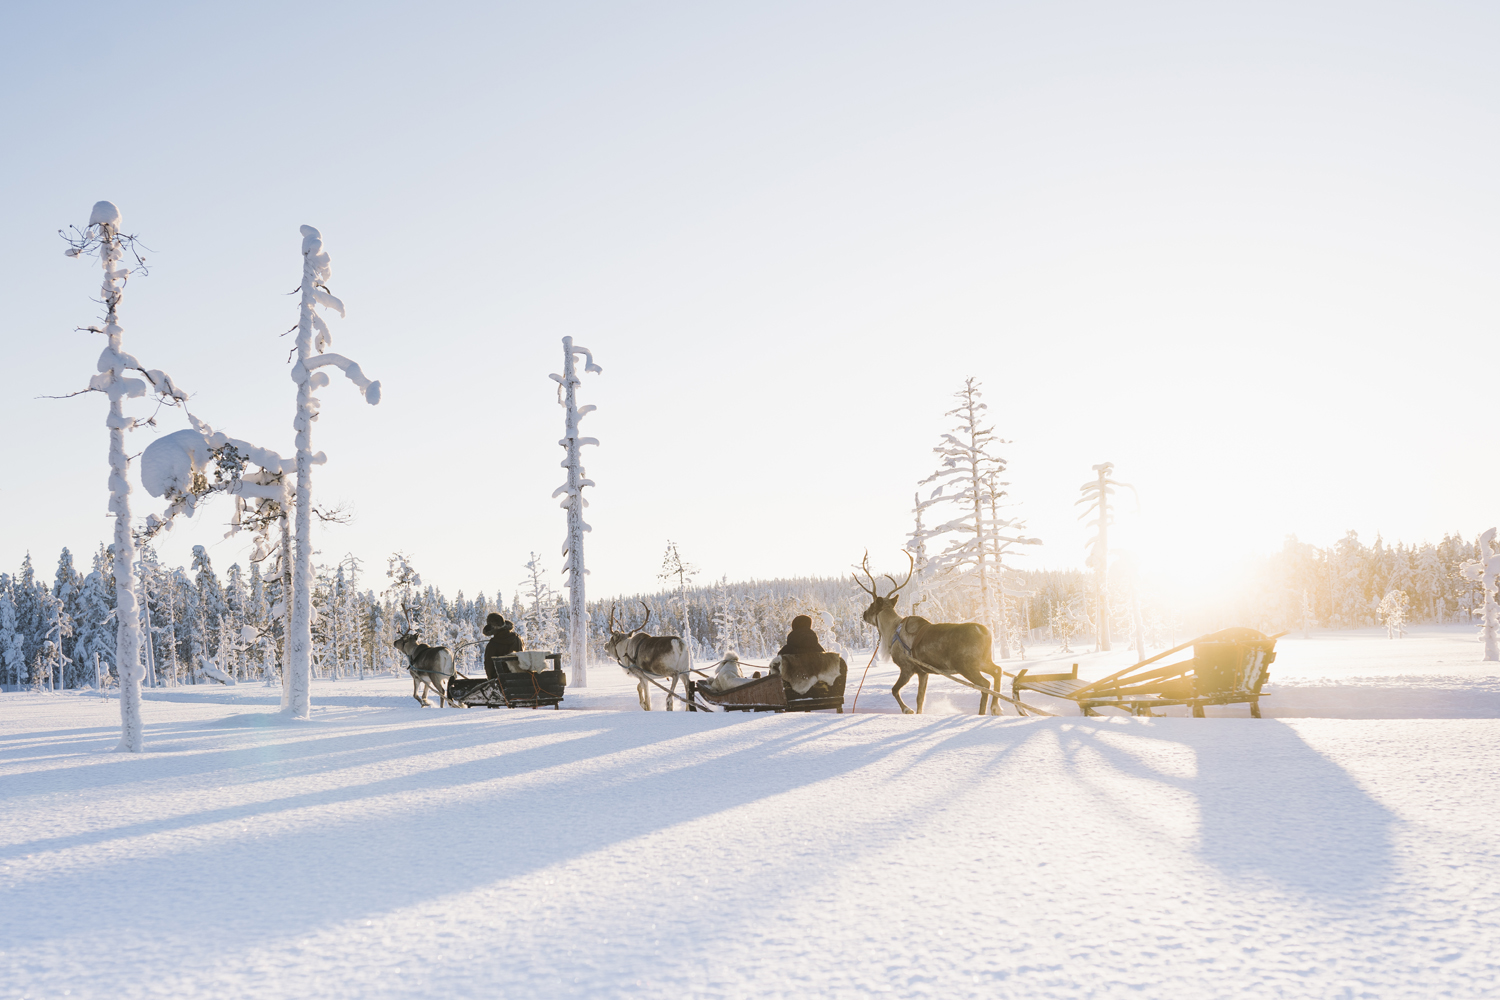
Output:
x=921 y=647
x=644 y=655
x=430 y=667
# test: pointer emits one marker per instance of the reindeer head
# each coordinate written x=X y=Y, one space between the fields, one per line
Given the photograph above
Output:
x=407 y=644
x=888 y=602
x=616 y=637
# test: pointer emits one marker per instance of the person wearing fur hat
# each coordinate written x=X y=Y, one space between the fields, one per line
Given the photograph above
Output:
x=802 y=638
x=503 y=640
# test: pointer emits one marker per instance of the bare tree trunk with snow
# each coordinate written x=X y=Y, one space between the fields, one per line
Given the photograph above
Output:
x=103 y=235
x=1486 y=572
x=1096 y=494
x=574 y=503
x=312 y=333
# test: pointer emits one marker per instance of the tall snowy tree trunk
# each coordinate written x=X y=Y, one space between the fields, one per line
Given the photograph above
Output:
x=573 y=503
x=112 y=364
x=977 y=487
x=1004 y=621
x=297 y=684
x=286 y=606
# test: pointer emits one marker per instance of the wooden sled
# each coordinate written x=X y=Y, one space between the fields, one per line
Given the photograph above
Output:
x=1227 y=667
x=771 y=694
x=527 y=689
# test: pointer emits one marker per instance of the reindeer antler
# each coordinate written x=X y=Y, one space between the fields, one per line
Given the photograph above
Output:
x=642 y=625
x=866 y=565
x=910 y=570
x=611 y=616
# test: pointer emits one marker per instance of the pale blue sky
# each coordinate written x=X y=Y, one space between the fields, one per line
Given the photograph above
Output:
x=1247 y=252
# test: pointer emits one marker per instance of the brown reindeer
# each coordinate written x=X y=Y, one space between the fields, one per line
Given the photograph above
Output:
x=645 y=656
x=921 y=647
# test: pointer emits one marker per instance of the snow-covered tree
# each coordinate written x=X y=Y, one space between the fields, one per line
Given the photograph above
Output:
x=967 y=478
x=405 y=583
x=1486 y=572
x=102 y=236
x=573 y=502
x=675 y=568
x=1063 y=625
x=916 y=544
x=1393 y=611
x=313 y=337
x=12 y=643
x=539 y=621
x=1096 y=494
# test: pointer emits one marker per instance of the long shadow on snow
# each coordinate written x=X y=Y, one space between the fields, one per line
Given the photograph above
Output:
x=270 y=754
x=1269 y=804
x=665 y=772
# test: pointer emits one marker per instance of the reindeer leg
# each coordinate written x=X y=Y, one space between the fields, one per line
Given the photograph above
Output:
x=644 y=694
x=671 y=692
x=416 y=685
x=921 y=692
x=977 y=677
x=906 y=673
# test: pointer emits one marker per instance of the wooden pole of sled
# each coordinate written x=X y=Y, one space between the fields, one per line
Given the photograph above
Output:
x=1000 y=675
x=697 y=705
x=997 y=694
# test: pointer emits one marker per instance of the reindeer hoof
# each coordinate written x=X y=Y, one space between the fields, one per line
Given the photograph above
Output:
x=907 y=711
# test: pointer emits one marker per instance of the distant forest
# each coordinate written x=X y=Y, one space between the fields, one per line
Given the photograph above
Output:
x=203 y=625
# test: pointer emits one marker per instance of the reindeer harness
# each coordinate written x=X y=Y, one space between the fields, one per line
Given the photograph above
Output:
x=902 y=639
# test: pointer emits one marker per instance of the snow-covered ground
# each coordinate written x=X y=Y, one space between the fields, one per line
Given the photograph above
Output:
x=385 y=850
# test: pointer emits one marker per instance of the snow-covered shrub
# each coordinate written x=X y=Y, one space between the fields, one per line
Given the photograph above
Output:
x=1394 y=608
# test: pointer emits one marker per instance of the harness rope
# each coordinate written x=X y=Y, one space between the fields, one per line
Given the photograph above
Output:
x=855 y=706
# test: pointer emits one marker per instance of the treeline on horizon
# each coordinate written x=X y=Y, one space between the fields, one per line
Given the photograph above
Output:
x=203 y=626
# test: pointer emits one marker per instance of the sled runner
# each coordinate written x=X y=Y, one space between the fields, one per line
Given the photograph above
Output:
x=1227 y=668
x=526 y=689
x=771 y=693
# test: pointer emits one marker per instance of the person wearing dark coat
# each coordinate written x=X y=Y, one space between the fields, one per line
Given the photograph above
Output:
x=802 y=638
x=503 y=640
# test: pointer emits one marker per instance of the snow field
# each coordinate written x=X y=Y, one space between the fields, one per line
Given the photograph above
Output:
x=382 y=850
x=374 y=852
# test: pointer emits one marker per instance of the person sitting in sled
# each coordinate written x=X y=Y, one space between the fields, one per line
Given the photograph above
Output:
x=802 y=638
x=504 y=640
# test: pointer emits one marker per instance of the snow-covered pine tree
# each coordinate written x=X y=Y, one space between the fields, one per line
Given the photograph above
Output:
x=1000 y=536
x=916 y=544
x=966 y=479
x=12 y=644
x=573 y=502
x=312 y=336
x=540 y=617
x=102 y=237
x=1486 y=572
x=1061 y=623
x=1096 y=494
x=405 y=584
x=674 y=567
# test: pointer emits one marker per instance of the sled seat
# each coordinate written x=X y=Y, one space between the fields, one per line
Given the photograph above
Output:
x=1056 y=685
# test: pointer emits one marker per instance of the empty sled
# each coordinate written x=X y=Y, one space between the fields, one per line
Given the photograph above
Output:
x=1227 y=667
